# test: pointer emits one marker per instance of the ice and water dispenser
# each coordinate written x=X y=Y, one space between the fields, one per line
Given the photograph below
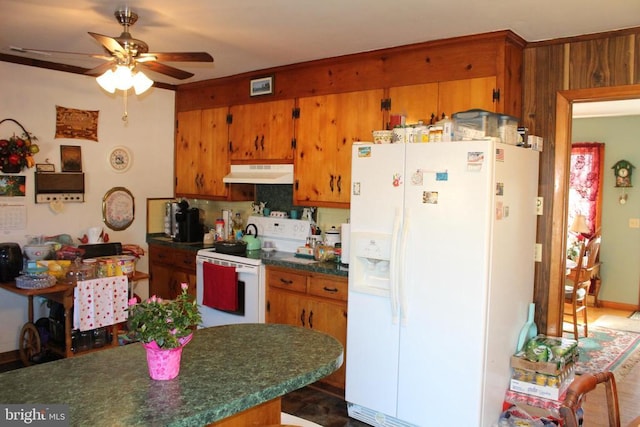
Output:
x=370 y=263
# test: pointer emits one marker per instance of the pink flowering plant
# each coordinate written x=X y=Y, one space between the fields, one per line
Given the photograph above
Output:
x=166 y=322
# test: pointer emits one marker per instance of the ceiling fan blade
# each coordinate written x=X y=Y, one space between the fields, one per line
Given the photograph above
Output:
x=166 y=69
x=109 y=43
x=179 y=56
x=100 y=69
x=57 y=52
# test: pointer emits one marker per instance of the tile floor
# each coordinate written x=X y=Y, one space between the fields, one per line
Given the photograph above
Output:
x=320 y=407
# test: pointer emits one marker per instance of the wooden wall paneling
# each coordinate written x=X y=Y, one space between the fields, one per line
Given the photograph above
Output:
x=636 y=59
x=562 y=72
x=510 y=80
x=542 y=78
x=601 y=62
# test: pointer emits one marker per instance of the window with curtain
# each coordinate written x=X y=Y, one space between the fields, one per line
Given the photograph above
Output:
x=585 y=183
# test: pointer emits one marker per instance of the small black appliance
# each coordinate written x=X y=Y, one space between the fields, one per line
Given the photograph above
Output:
x=11 y=261
x=189 y=227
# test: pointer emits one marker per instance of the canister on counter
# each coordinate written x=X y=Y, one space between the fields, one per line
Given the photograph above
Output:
x=106 y=267
x=219 y=235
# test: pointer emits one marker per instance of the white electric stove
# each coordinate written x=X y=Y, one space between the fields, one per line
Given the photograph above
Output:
x=276 y=234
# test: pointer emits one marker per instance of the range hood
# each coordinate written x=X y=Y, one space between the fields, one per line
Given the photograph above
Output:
x=260 y=174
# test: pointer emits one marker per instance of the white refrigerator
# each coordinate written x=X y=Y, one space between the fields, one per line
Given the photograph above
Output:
x=441 y=272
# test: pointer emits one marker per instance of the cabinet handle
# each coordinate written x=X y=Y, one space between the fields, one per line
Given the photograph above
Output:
x=285 y=281
x=332 y=290
x=311 y=319
x=262 y=143
x=255 y=143
x=331 y=183
x=339 y=184
x=302 y=316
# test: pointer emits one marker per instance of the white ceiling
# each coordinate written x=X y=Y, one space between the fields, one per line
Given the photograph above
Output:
x=627 y=107
x=248 y=35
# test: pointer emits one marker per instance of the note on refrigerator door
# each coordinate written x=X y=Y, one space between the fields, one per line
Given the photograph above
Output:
x=475 y=160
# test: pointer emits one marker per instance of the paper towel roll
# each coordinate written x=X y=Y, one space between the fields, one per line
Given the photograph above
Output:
x=345 y=231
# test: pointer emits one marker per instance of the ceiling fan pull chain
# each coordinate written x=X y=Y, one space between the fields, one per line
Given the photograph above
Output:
x=125 y=116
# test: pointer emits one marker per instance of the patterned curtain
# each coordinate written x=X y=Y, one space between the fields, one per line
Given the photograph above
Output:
x=585 y=183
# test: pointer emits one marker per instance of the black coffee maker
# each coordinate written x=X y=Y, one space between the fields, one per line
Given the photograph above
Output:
x=10 y=261
x=189 y=227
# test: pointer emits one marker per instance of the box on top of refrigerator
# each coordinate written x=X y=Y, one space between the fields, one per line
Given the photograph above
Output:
x=475 y=124
x=508 y=129
x=480 y=124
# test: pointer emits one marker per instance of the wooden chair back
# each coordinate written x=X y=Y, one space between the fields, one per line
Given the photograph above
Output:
x=575 y=301
x=582 y=385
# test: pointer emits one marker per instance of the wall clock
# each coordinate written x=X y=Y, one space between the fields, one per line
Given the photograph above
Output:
x=622 y=170
x=120 y=159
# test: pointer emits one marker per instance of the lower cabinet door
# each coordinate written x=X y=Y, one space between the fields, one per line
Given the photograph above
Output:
x=330 y=318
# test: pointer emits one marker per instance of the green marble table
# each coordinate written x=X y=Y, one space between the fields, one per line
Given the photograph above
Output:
x=224 y=370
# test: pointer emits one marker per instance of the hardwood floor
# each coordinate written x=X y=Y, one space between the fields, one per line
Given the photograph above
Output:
x=595 y=406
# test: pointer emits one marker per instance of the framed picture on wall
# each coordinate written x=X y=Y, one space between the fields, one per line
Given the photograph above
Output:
x=71 y=158
x=261 y=86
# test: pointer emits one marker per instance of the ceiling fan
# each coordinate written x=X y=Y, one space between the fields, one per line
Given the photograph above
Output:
x=127 y=51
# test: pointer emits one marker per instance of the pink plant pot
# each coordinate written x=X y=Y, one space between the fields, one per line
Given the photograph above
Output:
x=164 y=363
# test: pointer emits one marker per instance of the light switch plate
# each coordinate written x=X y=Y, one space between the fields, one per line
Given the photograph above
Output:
x=538 y=253
x=539 y=205
x=634 y=222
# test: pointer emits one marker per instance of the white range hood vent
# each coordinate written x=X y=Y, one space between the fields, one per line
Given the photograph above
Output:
x=260 y=174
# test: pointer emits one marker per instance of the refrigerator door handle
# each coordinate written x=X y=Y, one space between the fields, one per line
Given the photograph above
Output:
x=394 y=262
x=402 y=274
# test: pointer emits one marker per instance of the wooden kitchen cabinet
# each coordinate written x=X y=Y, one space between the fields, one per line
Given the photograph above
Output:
x=310 y=300
x=201 y=153
x=327 y=127
x=262 y=131
x=168 y=269
x=433 y=100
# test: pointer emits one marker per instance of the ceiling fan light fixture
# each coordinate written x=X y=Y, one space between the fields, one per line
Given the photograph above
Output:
x=141 y=82
x=107 y=81
x=123 y=77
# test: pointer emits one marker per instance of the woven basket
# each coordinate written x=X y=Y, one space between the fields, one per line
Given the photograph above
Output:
x=7 y=168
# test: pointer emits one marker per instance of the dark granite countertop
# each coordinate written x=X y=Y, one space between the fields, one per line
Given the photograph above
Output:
x=281 y=259
x=224 y=370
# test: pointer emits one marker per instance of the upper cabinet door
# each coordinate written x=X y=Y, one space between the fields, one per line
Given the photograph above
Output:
x=326 y=129
x=202 y=158
x=430 y=102
x=262 y=131
x=187 y=149
x=461 y=95
x=214 y=157
x=416 y=102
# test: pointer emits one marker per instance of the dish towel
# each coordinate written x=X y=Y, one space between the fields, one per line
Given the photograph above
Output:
x=220 y=287
x=100 y=302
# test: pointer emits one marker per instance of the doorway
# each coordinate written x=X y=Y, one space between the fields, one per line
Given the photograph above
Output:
x=562 y=152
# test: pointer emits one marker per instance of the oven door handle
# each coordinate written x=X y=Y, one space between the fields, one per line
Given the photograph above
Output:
x=247 y=270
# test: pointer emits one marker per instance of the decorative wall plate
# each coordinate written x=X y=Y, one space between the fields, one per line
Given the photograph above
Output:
x=120 y=159
x=118 y=208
